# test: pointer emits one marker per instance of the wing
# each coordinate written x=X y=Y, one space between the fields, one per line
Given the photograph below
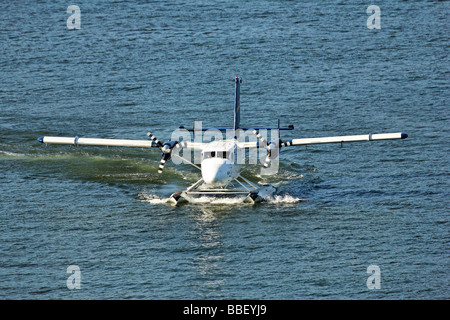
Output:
x=98 y=142
x=117 y=142
x=322 y=140
x=191 y=145
x=341 y=139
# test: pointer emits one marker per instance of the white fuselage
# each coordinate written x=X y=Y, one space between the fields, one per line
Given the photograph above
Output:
x=218 y=163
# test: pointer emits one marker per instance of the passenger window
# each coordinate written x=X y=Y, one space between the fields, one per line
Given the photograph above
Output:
x=213 y=154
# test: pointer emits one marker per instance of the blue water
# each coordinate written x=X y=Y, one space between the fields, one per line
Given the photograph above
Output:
x=139 y=66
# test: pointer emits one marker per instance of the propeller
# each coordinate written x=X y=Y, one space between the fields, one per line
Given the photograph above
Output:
x=166 y=150
x=272 y=148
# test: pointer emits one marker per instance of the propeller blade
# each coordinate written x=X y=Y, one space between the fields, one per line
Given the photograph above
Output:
x=272 y=152
x=260 y=138
x=161 y=165
x=272 y=148
x=285 y=143
x=151 y=136
x=164 y=158
x=267 y=162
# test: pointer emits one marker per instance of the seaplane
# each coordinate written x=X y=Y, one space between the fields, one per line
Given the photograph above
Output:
x=221 y=160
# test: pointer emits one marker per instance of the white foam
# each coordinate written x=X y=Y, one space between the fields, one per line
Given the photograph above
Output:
x=283 y=199
x=153 y=199
x=217 y=200
x=12 y=154
x=286 y=199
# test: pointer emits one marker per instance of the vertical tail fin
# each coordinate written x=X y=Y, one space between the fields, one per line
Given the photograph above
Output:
x=237 y=103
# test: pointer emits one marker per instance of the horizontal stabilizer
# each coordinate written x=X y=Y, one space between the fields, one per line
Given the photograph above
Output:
x=290 y=127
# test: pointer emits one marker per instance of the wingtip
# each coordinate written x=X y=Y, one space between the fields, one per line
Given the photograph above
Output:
x=404 y=135
x=41 y=139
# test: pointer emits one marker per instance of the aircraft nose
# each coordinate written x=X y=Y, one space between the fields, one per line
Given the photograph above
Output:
x=210 y=175
x=214 y=173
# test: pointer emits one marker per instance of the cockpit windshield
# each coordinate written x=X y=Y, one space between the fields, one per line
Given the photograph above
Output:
x=216 y=154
